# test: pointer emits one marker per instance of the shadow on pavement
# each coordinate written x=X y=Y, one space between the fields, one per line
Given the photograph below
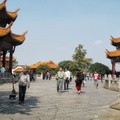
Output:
x=83 y=92
x=8 y=106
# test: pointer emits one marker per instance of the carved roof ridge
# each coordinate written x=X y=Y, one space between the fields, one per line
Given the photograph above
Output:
x=2 y=5
x=4 y=1
x=115 y=53
x=25 y=32
x=10 y=25
x=5 y=31
x=16 y=10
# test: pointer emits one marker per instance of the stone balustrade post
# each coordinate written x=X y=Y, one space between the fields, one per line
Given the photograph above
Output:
x=119 y=83
x=105 y=76
x=109 y=80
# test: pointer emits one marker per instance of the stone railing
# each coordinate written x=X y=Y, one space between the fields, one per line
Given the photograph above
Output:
x=112 y=83
x=6 y=77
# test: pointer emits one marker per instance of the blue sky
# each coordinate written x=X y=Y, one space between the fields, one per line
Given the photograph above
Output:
x=57 y=27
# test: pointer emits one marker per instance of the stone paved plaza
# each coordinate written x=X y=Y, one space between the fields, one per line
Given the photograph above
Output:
x=44 y=103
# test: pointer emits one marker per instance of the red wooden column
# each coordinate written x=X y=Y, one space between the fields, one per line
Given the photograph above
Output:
x=0 y=61
x=11 y=57
x=1 y=42
x=113 y=66
x=4 y=56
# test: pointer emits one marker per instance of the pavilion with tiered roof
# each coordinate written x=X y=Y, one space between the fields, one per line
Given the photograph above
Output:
x=8 y=40
x=114 y=56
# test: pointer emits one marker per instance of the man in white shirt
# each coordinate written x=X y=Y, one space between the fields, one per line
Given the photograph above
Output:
x=66 y=81
x=24 y=82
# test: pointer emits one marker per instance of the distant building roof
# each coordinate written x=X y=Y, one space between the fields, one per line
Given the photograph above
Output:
x=18 y=68
x=51 y=64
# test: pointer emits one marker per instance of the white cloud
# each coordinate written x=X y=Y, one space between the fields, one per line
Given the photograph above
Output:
x=98 y=42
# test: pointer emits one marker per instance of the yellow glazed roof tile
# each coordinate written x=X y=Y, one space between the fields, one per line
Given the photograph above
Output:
x=115 y=40
x=9 y=14
x=18 y=70
x=5 y=31
x=2 y=5
x=12 y=14
x=49 y=63
x=19 y=38
x=115 y=53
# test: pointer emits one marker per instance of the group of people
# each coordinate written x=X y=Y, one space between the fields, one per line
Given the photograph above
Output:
x=64 y=78
x=46 y=75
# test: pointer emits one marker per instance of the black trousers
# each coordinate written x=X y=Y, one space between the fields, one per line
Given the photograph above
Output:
x=66 y=84
x=22 y=91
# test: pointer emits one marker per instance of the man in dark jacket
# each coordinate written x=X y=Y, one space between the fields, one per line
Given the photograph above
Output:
x=79 y=79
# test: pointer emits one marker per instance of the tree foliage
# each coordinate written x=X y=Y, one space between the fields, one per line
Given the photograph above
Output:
x=64 y=64
x=43 y=68
x=99 y=67
x=82 y=63
x=71 y=65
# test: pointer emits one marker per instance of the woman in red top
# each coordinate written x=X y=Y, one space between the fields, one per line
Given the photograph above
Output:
x=96 y=77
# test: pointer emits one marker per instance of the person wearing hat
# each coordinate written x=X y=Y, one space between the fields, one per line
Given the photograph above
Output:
x=24 y=82
x=79 y=79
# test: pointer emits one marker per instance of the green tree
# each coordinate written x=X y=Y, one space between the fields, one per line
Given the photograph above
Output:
x=43 y=68
x=82 y=63
x=72 y=67
x=64 y=64
x=99 y=68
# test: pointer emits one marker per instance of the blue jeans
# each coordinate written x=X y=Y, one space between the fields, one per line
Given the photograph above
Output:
x=96 y=83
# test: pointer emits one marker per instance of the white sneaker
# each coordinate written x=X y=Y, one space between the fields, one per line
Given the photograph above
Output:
x=78 y=92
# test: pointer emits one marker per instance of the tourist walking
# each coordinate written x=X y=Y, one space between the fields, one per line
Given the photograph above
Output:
x=79 y=80
x=31 y=75
x=48 y=75
x=24 y=82
x=60 y=76
x=96 y=77
x=67 y=80
x=102 y=76
x=71 y=76
x=87 y=75
x=44 y=75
